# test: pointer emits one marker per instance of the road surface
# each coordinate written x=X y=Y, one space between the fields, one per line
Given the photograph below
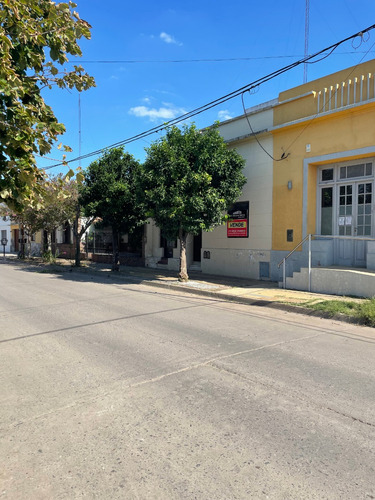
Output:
x=122 y=391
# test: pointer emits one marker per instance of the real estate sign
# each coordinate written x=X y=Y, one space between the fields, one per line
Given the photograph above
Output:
x=237 y=228
x=238 y=222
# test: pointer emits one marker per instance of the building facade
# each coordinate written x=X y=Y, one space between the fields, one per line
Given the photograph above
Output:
x=242 y=255
x=310 y=170
x=325 y=186
x=5 y=233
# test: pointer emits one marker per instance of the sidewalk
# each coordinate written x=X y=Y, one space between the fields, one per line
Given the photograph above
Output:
x=253 y=292
x=237 y=289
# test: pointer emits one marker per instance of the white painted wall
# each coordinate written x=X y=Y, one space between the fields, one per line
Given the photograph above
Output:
x=260 y=117
x=153 y=251
x=5 y=226
x=59 y=235
x=236 y=256
x=241 y=256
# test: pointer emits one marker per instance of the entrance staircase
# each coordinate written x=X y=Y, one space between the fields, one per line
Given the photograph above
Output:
x=313 y=269
x=334 y=280
x=195 y=266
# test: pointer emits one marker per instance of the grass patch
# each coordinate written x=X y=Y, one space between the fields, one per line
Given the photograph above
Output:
x=364 y=311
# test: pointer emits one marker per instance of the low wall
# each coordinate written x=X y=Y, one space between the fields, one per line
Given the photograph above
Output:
x=125 y=260
x=67 y=251
x=335 y=281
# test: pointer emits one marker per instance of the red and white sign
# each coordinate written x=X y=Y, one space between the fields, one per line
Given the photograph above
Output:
x=237 y=228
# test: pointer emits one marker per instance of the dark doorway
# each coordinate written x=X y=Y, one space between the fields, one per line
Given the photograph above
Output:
x=16 y=235
x=197 y=247
x=168 y=246
x=67 y=233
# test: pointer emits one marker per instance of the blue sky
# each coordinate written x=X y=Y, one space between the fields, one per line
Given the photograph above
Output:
x=131 y=97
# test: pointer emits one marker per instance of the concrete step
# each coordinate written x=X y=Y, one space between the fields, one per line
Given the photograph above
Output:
x=335 y=281
x=195 y=266
x=160 y=265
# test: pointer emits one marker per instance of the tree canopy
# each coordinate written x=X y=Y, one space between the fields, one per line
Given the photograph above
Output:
x=36 y=37
x=108 y=192
x=51 y=208
x=189 y=179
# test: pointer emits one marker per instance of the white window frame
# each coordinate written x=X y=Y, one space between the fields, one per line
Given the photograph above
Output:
x=335 y=183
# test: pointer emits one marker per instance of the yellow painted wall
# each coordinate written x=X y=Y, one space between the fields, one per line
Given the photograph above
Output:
x=292 y=106
x=38 y=237
x=338 y=131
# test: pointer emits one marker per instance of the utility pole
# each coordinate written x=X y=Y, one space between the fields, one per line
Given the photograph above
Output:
x=307 y=22
x=76 y=228
x=79 y=126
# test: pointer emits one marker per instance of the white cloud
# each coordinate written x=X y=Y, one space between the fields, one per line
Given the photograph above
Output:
x=154 y=114
x=158 y=91
x=168 y=38
x=146 y=100
x=224 y=115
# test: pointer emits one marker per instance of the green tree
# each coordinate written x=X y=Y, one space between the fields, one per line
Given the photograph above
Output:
x=47 y=210
x=189 y=179
x=56 y=204
x=55 y=208
x=74 y=210
x=80 y=226
x=109 y=193
x=36 y=37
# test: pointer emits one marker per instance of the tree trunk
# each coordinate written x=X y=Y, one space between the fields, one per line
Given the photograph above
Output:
x=115 y=255
x=49 y=241
x=78 y=250
x=78 y=233
x=28 y=248
x=22 y=246
x=183 y=275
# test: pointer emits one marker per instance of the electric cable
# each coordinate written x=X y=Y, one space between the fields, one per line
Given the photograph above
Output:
x=46 y=157
x=329 y=100
x=181 y=61
x=216 y=102
x=322 y=58
x=283 y=156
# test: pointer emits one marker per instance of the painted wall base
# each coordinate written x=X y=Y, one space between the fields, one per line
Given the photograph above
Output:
x=349 y=282
x=252 y=264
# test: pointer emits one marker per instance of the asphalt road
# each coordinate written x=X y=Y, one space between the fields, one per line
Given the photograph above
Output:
x=123 y=391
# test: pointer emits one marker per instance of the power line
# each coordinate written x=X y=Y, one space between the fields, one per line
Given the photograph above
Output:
x=329 y=100
x=283 y=156
x=180 y=61
x=220 y=100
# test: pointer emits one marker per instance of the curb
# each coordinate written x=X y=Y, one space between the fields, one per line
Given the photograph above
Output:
x=205 y=293
x=257 y=302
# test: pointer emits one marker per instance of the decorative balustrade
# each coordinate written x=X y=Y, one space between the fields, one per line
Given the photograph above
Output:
x=353 y=91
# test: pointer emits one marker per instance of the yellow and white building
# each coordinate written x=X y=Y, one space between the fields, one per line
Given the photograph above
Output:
x=320 y=181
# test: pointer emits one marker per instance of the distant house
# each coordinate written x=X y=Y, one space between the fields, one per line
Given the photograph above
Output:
x=62 y=238
x=5 y=233
x=317 y=179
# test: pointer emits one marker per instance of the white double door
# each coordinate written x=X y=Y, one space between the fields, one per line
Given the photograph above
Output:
x=354 y=218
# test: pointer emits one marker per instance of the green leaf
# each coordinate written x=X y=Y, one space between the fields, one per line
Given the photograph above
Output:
x=28 y=30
